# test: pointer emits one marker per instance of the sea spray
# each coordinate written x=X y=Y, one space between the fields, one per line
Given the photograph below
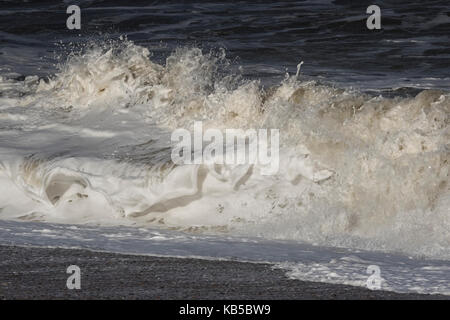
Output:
x=92 y=145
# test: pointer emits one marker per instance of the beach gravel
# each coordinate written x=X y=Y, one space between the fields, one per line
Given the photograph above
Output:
x=40 y=273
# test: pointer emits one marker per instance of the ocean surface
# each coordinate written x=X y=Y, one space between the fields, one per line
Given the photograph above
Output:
x=86 y=118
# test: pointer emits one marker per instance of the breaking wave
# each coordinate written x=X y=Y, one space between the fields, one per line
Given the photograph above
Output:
x=91 y=145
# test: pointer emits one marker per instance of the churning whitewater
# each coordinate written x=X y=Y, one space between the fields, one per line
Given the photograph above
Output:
x=91 y=145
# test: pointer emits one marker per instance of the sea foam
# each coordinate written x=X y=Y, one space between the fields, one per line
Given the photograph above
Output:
x=91 y=144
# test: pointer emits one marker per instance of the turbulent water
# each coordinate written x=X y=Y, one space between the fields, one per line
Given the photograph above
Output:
x=86 y=119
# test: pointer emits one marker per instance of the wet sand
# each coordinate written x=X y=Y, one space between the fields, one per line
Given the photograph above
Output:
x=40 y=273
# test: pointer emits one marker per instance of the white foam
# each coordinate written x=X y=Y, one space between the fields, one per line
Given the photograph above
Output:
x=356 y=170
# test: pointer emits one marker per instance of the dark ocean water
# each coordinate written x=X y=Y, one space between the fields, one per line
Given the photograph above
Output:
x=266 y=38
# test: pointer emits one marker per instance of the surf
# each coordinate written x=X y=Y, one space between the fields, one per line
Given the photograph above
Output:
x=91 y=145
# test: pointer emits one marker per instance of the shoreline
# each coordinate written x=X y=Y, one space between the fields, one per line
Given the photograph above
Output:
x=40 y=273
